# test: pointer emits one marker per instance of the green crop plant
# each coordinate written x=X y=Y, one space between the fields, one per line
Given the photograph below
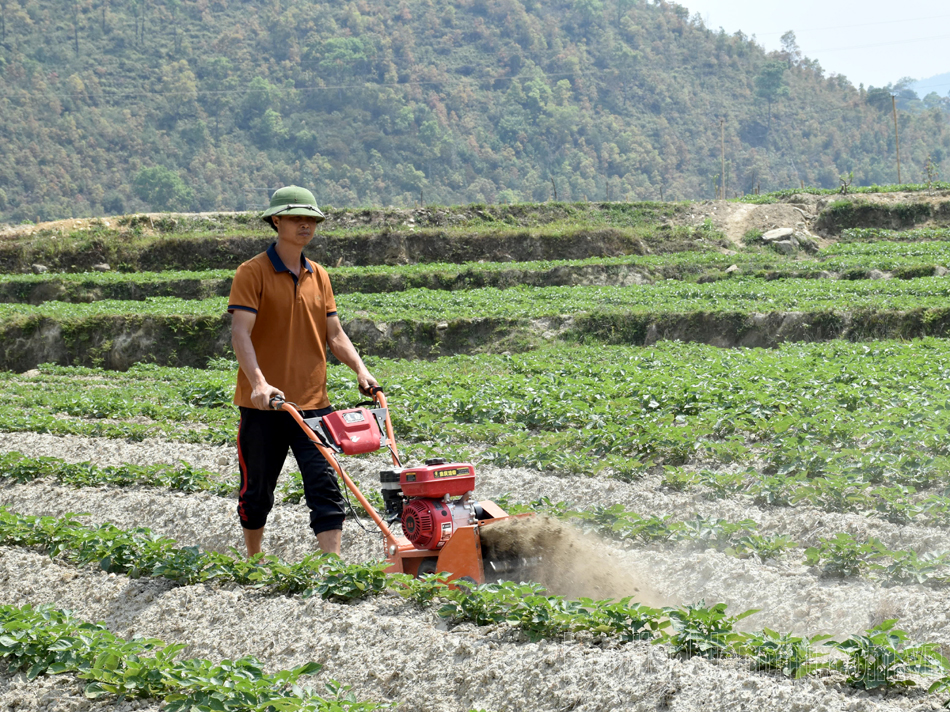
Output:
x=761 y=546
x=895 y=504
x=721 y=485
x=856 y=259
x=772 y=490
x=422 y=590
x=881 y=659
x=541 y=616
x=209 y=395
x=936 y=510
x=678 y=480
x=793 y=656
x=599 y=305
x=624 y=618
x=489 y=603
x=692 y=630
x=843 y=556
x=707 y=632
x=909 y=567
x=833 y=494
x=710 y=532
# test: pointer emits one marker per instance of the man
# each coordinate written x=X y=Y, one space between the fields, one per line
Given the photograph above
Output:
x=284 y=318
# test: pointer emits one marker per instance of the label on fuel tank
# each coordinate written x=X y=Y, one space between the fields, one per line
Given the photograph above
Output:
x=455 y=472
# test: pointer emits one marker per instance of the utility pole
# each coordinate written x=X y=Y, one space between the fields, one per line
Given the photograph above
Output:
x=76 y=26
x=897 y=136
x=722 y=140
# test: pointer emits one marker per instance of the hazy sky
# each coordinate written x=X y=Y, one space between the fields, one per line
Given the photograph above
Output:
x=869 y=41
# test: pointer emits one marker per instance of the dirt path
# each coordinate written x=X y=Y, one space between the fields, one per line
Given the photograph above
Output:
x=735 y=220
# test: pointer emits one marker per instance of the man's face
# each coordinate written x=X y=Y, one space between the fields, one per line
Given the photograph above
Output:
x=295 y=229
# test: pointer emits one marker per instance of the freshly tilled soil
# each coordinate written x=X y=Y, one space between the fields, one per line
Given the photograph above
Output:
x=389 y=649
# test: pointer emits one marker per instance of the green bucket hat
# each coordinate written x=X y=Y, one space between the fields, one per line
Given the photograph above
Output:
x=292 y=200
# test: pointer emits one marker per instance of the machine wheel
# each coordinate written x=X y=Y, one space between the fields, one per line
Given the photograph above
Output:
x=427 y=566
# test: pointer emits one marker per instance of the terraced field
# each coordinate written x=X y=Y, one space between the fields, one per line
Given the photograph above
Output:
x=734 y=527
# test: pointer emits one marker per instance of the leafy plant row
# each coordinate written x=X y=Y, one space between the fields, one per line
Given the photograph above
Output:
x=182 y=477
x=848 y=427
x=523 y=302
x=48 y=641
x=876 y=411
x=880 y=658
x=872 y=234
x=835 y=494
x=859 y=490
x=693 y=630
x=140 y=552
x=782 y=195
x=840 y=556
x=183 y=404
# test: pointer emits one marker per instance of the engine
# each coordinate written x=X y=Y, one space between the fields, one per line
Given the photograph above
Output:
x=421 y=499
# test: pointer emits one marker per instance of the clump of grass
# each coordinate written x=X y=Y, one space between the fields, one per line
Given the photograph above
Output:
x=752 y=237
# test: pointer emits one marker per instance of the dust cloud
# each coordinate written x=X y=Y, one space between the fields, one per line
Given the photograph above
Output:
x=563 y=559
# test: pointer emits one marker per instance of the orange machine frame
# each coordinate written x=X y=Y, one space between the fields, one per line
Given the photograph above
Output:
x=460 y=557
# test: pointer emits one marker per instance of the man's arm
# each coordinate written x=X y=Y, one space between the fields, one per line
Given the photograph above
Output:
x=343 y=349
x=241 y=325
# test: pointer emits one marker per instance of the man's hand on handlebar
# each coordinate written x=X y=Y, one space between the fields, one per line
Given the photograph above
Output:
x=368 y=385
x=261 y=397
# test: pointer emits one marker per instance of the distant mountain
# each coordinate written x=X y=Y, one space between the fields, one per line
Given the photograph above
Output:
x=939 y=84
x=110 y=106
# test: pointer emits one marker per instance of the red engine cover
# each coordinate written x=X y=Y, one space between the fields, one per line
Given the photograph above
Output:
x=354 y=430
x=427 y=523
x=438 y=480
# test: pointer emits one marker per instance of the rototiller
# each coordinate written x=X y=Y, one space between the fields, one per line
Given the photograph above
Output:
x=441 y=522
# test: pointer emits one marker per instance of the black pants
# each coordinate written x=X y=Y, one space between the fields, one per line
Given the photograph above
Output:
x=263 y=439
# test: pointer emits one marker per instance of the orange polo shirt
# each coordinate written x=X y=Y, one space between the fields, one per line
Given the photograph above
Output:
x=290 y=333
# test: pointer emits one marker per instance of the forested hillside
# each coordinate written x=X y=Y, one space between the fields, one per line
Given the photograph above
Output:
x=110 y=106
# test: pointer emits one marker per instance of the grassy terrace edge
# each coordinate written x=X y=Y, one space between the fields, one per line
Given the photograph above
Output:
x=848 y=261
x=457 y=234
x=118 y=341
x=356 y=236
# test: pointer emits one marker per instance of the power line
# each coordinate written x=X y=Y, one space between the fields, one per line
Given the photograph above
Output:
x=883 y=44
